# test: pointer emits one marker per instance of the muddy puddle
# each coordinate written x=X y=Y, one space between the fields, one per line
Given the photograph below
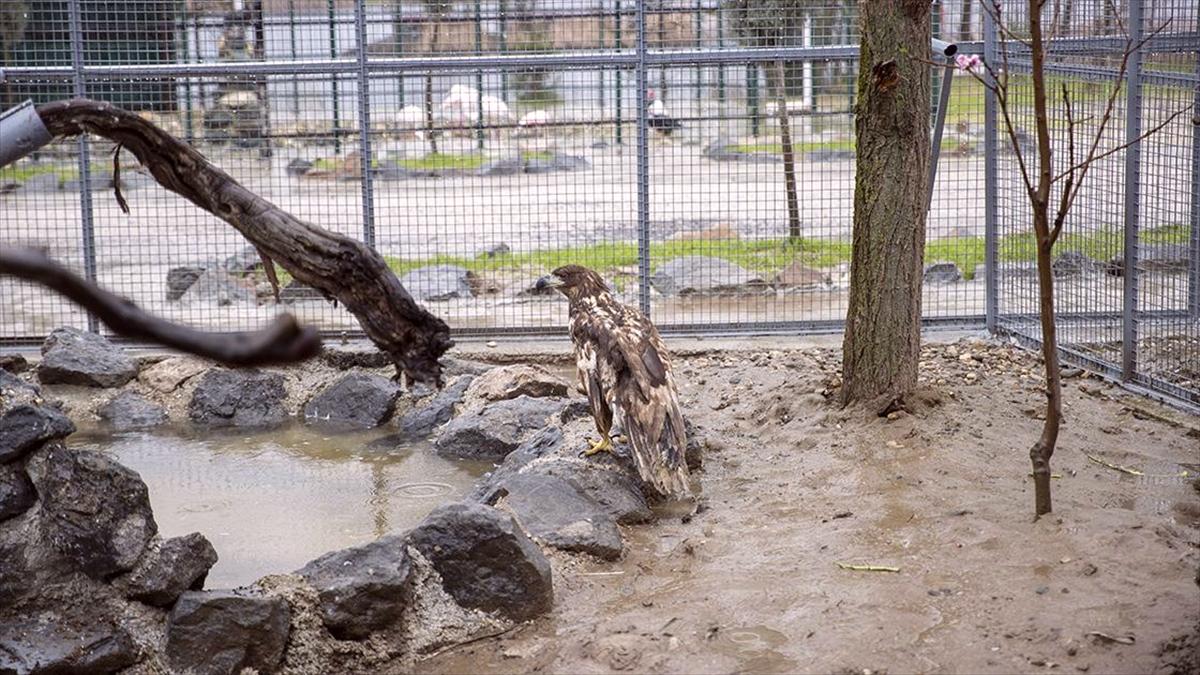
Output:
x=272 y=501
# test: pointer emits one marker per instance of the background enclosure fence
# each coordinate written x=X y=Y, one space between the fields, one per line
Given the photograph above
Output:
x=477 y=145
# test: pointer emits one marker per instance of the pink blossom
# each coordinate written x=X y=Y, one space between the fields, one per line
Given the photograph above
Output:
x=969 y=62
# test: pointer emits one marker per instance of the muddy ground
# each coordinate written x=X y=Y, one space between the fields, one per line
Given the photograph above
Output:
x=793 y=485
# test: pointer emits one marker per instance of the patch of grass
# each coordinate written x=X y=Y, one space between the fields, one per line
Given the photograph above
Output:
x=439 y=161
x=21 y=173
x=537 y=155
x=767 y=257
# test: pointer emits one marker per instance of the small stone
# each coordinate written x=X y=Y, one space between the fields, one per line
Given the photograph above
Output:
x=238 y=398
x=127 y=411
x=497 y=429
x=356 y=401
x=1042 y=590
x=180 y=279
x=556 y=512
x=13 y=363
x=16 y=491
x=176 y=565
x=509 y=382
x=361 y=589
x=26 y=428
x=1089 y=570
x=167 y=375
x=431 y=413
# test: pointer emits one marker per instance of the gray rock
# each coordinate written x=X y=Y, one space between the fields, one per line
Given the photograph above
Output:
x=167 y=375
x=298 y=292
x=357 y=401
x=72 y=356
x=176 y=565
x=702 y=274
x=528 y=288
x=180 y=279
x=49 y=642
x=243 y=262
x=420 y=420
x=1070 y=263
x=346 y=358
x=95 y=513
x=238 y=398
x=452 y=367
x=128 y=410
x=216 y=286
x=438 y=282
x=24 y=428
x=501 y=167
x=16 y=491
x=298 y=167
x=507 y=382
x=942 y=273
x=569 y=163
x=556 y=512
x=485 y=560
x=222 y=632
x=722 y=150
x=498 y=249
x=539 y=165
x=361 y=589
x=497 y=429
x=1166 y=258
x=13 y=363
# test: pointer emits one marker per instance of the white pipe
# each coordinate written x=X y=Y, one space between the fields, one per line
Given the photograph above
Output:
x=21 y=132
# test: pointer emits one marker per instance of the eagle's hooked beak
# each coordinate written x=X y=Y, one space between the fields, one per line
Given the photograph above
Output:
x=548 y=281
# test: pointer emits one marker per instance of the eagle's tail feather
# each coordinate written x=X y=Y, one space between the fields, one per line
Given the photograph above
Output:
x=660 y=456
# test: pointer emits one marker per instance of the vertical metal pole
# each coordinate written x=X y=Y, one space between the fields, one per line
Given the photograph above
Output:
x=1194 y=265
x=938 y=126
x=643 y=166
x=1133 y=157
x=617 y=73
x=189 y=122
x=85 y=160
x=364 y=124
x=504 y=47
x=601 y=23
x=721 y=66
x=752 y=94
x=479 y=76
x=292 y=51
x=398 y=41
x=990 y=184
x=262 y=82
x=337 y=113
x=699 y=82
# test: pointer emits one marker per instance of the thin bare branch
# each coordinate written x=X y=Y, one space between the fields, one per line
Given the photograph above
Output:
x=1115 y=149
x=284 y=341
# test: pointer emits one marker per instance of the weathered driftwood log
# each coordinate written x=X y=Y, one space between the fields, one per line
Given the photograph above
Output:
x=284 y=341
x=336 y=265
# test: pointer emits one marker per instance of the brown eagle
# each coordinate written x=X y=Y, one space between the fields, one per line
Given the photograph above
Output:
x=625 y=369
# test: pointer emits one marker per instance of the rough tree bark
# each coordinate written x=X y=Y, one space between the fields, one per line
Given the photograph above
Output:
x=789 y=151
x=883 y=324
x=338 y=266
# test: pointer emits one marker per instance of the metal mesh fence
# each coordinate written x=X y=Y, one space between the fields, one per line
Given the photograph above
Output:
x=477 y=145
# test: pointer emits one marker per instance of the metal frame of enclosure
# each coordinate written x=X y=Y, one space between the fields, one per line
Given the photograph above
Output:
x=494 y=140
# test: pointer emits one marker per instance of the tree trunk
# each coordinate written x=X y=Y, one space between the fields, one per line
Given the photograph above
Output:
x=1043 y=449
x=883 y=324
x=789 y=151
x=430 y=131
x=336 y=265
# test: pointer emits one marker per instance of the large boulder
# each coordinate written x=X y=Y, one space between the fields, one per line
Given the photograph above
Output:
x=72 y=356
x=702 y=274
x=556 y=512
x=25 y=427
x=223 y=632
x=942 y=273
x=16 y=491
x=433 y=411
x=169 y=568
x=438 y=282
x=357 y=401
x=216 y=286
x=507 y=382
x=128 y=410
x=180 y=279
x=361 y=589
x=48 y=642
x=497 y=429
x=95 y=513
x=485 y=560
x=238 y=398
x=167 y=375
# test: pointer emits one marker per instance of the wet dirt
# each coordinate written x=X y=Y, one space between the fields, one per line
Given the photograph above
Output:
x=793 y=485
x=272 y=501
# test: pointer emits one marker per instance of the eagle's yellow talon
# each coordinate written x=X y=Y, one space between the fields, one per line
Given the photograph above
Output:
x=602 y=445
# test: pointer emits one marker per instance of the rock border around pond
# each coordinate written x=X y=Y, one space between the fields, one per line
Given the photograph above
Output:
x=475 y=565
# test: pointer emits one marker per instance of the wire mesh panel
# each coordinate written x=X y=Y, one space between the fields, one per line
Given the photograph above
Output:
x=698 y=153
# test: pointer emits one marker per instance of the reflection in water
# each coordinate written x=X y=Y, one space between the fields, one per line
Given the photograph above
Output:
x=272 y=501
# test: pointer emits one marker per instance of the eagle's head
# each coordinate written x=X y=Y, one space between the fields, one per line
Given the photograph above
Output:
x=574 y=281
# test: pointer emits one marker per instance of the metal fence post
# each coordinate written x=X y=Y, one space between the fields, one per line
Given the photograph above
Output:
x=364 y=124
x=1133 y=156
x=337 y=116
x=1194 y=265
x=643 y=166
x=85 y=160
x=991 y=184
x=617 y=72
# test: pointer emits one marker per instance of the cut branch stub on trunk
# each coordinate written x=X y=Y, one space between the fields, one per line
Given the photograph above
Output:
x=334 y=264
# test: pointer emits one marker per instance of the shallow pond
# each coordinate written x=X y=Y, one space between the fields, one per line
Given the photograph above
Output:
x=271 y=501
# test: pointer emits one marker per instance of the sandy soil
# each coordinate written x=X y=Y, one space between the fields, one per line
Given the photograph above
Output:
x=793 y=485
